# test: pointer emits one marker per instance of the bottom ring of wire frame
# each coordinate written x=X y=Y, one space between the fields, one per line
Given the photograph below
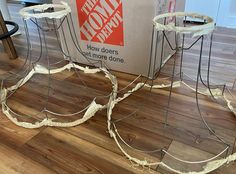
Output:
x=142 y=158
x=88 y=112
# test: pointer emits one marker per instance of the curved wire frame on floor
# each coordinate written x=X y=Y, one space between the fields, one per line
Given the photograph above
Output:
x=164 y=25
x=60 y=17
x=53 y=19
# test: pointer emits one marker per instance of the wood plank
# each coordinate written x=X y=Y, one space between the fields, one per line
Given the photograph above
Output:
x=13 y=162
x=95 y=131
x=88 y=148
x=80 y=156
x=12 y=135
x=187 y=153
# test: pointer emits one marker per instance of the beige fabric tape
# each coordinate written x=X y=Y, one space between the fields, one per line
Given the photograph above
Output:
x=27 y=12
x=197 y=30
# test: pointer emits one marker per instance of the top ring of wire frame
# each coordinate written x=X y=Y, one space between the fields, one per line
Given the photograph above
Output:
x=38 y=11
x=196 y=30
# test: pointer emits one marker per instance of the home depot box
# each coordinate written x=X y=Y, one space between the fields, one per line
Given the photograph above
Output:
x=118 y=32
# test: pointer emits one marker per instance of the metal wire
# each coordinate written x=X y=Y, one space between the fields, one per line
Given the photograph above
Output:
x=135 y=149
x=212 y=132
x=42 y=35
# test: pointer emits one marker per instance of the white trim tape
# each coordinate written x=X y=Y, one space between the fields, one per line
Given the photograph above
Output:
x=197 y=30
x=64 y=10
x=38 y=69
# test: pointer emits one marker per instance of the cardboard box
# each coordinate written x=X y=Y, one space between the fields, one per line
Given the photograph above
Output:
x=117 y=32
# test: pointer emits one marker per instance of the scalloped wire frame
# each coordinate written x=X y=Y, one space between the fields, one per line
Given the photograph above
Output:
x=32 y=67
x=211 y=91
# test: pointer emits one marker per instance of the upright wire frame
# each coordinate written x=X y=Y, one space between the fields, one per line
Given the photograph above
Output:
x=159 y=37
x=45 y=19
x=31 y=67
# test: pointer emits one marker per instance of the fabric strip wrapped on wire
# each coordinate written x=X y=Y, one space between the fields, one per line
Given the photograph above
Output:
x=163 y=87
x=84 y=100
x=44 y=73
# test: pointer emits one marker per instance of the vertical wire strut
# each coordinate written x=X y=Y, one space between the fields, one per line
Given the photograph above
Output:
x=182 y=53
x=197 y=99
x=151 y=50
x=49 y=74
x=172 y=77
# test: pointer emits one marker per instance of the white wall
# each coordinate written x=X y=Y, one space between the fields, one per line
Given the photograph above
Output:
x=222 y=11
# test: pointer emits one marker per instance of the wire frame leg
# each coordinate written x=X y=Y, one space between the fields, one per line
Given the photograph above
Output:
x=181 y=58
x=209 y=66
x=211 y=131
x=162 y=48
x=171 y=88
x=182 y=53
x=151 y=53
x=234 y=84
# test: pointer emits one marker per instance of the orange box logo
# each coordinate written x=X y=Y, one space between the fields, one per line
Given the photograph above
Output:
x=101 y=21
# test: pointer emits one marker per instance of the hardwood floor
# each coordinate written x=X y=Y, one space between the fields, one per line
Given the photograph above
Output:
x=88 y=148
